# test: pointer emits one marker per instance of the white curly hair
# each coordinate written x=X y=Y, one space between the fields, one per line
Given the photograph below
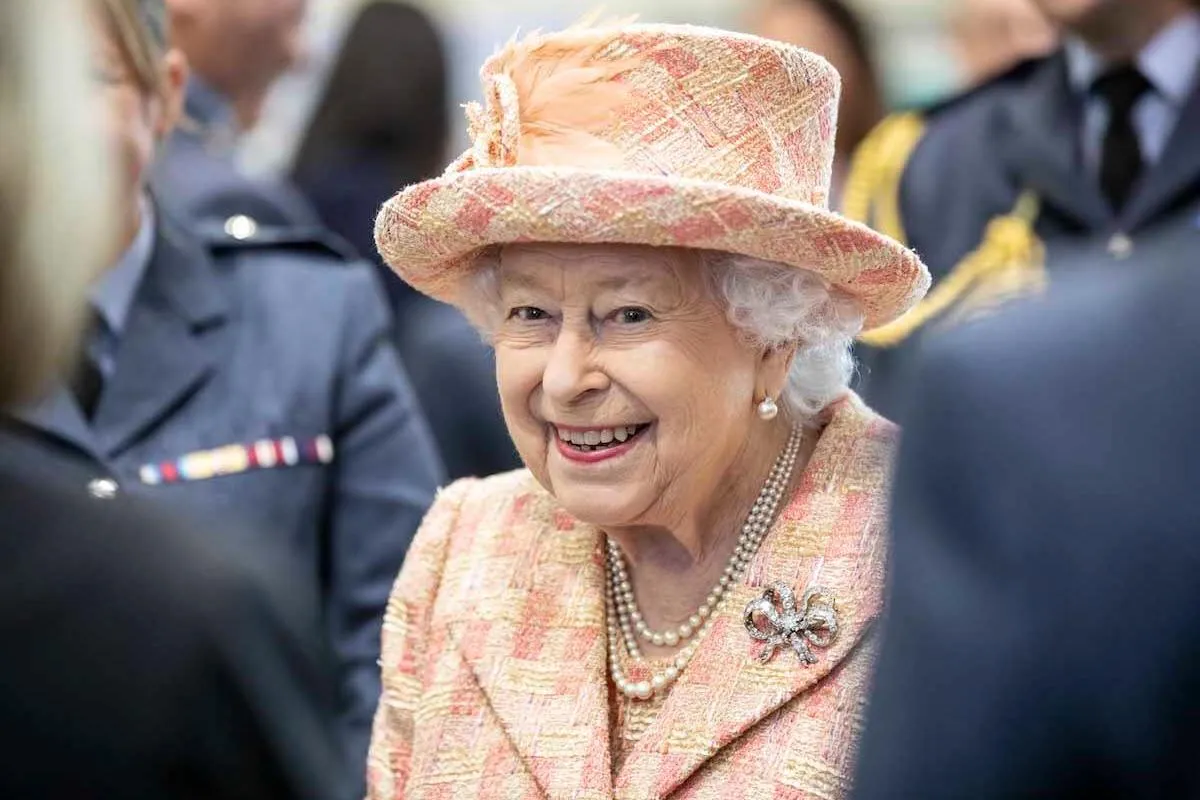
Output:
x=773 y=305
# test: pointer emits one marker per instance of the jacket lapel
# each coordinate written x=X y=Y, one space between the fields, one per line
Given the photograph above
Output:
x=830 y=536
x=1039 y=140
x=535 y=644
x=57 y=415
x=171 y=343
x=1177 y=172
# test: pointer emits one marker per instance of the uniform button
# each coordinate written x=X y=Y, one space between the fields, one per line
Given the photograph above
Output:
x=1120 y=246
x=241 y=227
x=103 y=488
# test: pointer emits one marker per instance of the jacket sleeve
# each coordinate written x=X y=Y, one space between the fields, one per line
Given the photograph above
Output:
x=406 y=643
x=386 y=471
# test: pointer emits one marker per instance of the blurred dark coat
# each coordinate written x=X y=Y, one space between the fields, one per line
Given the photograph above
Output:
x=978 y=154
x=143 y=660
x=1043 y=638
x=453 y=370
x=198 y=176
x=235 y=342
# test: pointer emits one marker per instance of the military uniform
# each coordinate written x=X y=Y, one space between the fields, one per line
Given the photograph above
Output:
x=994 y=192
x=254 y=381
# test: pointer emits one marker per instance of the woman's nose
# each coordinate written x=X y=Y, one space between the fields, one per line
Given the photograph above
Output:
x=571 y=372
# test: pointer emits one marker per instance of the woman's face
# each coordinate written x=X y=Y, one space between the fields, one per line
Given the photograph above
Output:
x=627 y=391
x=136 y=120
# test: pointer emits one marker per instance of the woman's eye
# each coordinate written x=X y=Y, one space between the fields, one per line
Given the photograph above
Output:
x=632 y=315
x=527 y=314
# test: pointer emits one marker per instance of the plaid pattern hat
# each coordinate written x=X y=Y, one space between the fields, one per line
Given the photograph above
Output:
x=662 y=135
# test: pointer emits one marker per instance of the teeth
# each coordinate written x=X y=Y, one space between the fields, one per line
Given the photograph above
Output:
x=596 y=437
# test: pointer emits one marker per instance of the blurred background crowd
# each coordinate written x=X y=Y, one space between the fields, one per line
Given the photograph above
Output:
x=923 y=50
x=271 y=131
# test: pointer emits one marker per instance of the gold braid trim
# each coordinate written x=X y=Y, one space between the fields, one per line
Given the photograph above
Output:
x=1010 y=258
x=872 y=191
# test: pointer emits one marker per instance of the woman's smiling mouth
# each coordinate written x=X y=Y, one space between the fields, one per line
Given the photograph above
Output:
x=589 y=445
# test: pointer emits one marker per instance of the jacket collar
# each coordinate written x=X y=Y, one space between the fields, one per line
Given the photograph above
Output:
x=1168 y=61
x=1175 y=175
x=538 y=652
x=168 y=348
x=213 y=113
x=113 y=294
x=1038 y=131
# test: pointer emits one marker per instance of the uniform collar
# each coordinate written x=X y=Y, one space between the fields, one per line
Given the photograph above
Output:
x=112 y=295
x=1168 y=61
x=207 y=106
x=213 y=113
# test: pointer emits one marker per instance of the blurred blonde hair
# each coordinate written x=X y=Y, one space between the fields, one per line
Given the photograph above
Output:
x=139 y=29
x=55 y=234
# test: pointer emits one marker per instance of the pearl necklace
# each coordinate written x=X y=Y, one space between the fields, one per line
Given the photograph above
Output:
x=624 y=618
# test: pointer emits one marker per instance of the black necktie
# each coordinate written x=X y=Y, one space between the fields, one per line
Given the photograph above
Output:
x=86 y=380
x=1121 y=160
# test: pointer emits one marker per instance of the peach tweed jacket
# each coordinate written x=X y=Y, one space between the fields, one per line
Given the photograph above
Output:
x=494 y=662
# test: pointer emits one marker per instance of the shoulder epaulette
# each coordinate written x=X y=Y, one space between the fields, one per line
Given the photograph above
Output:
x=872 y=190
x=1009 y=262
x=1018 y=73
x=872 y=196
x=244 y=233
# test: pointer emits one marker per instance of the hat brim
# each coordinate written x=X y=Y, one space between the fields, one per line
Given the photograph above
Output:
x=431 y=232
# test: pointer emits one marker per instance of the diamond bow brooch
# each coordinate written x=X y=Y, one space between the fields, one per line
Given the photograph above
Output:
x=776 y=620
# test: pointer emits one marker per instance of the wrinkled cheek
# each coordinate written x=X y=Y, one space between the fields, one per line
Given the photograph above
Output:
x=518 y=378
x=532 y=445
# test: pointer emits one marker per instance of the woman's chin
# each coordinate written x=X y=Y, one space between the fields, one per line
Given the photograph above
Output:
x=599 y=506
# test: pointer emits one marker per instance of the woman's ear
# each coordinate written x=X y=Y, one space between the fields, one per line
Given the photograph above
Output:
x=773 y=370
x=174 y=90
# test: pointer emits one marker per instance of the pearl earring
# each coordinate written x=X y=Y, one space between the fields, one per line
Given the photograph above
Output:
x=767 y=409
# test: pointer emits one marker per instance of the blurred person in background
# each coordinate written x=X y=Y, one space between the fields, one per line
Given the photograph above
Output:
x=1085 y=159
x=141 y=659
x=243 y=380
x=1042 y=638
x=833 y=29
x=237 y=50
x=382 y=122
x=677 y=598
x=992 y=36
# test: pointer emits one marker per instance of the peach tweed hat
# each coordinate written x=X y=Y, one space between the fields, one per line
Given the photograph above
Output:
x=656 y=135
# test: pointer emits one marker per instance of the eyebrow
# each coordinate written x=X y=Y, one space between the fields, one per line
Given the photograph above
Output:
x=520 y=280
x=611 y=284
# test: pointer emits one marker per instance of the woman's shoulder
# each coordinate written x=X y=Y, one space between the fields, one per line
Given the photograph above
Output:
x=854 y=455
x=471 y=511
x=478 y=531
x=856 y=425
x=499 y=489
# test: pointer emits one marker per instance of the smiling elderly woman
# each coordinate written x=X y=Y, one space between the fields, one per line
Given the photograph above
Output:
x=676 y=597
